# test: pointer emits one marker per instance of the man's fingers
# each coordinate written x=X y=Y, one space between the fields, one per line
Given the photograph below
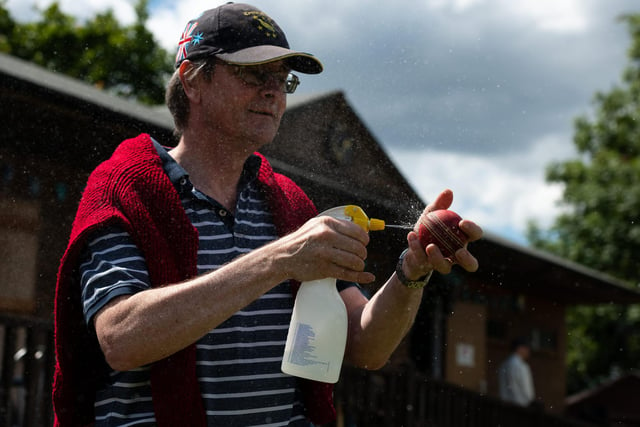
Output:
x=466 y=260
x=471 y=229
x=442 y=201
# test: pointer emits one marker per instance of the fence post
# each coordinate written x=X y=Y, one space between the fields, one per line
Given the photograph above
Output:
x=9 y=348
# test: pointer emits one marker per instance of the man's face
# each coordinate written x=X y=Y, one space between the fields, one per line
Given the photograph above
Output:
x=245 y=104
x=524 y=351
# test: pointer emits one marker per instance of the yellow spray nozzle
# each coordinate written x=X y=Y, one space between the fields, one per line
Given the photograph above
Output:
x=358 y=216
x=376 y=224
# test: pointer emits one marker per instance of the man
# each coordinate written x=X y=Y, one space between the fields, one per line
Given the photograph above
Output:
x=514 y=375
x=175 y=293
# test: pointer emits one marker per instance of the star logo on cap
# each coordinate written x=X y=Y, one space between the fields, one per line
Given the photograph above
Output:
x=197 y=38
x=263 y=23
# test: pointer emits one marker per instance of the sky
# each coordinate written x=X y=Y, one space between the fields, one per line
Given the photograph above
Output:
x=478 y=96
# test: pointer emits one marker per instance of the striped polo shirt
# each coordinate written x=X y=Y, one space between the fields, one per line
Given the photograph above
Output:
x=238 y=363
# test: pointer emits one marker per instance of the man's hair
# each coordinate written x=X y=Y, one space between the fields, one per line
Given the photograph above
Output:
x=520 y=342
x=177 y=100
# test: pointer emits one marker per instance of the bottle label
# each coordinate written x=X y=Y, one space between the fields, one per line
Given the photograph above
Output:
x=303 y=350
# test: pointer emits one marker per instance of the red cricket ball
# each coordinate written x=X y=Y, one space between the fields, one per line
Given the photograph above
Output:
x=441 y=228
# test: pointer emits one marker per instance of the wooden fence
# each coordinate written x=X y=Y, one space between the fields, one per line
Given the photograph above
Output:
x=403 y=397
x=399 y=397
x=26 y=348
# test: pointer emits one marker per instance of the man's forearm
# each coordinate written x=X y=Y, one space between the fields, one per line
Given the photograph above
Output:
x=150 y=325
x=377 y=327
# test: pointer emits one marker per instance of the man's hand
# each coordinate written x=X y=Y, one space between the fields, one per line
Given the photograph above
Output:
x=327 y=247
x=420 y=261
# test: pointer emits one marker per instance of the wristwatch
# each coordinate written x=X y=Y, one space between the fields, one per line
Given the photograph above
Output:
x=413 y=284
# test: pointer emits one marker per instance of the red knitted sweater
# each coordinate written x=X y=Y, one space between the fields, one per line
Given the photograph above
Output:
x=132 y=190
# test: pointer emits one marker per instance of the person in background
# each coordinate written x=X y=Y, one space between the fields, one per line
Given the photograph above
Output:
x=176 y=290
x=514 y=375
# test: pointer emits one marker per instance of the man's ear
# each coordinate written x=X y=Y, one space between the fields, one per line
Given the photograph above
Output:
x=190 y=85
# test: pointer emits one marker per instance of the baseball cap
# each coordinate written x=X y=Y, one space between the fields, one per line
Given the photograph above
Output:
x=240 y=34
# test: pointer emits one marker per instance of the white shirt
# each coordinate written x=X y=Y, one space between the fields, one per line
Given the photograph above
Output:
x=515 y=381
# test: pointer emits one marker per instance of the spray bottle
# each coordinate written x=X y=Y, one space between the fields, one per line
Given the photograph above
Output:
x=318 y=331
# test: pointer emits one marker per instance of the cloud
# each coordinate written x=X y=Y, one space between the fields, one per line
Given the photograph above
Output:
x=469 y=76
x=502 y=194
x=566 y=16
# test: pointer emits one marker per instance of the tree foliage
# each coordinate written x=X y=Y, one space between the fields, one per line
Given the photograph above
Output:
x=124 y=59
x=601 y=226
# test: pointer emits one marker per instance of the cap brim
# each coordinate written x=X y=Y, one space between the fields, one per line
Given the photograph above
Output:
x=298 y=61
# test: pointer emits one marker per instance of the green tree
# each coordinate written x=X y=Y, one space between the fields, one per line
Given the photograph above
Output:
x=601 y=226
x=7 y=26
x=125 y=60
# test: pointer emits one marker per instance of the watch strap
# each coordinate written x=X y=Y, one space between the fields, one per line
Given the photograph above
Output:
x=413 y=284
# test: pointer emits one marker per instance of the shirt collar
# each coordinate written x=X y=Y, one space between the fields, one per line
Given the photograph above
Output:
x=180 y=178
x=177 y=175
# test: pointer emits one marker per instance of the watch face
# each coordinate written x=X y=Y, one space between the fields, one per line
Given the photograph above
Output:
x=416 y=285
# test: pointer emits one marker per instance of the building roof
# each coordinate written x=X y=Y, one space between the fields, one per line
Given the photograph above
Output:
x=610 y=390
x=614 y=402
x=539 y=273
x=51 y=82
x=38 y=105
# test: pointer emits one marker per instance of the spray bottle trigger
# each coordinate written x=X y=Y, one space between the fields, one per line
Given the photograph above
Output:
x=360 y=218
